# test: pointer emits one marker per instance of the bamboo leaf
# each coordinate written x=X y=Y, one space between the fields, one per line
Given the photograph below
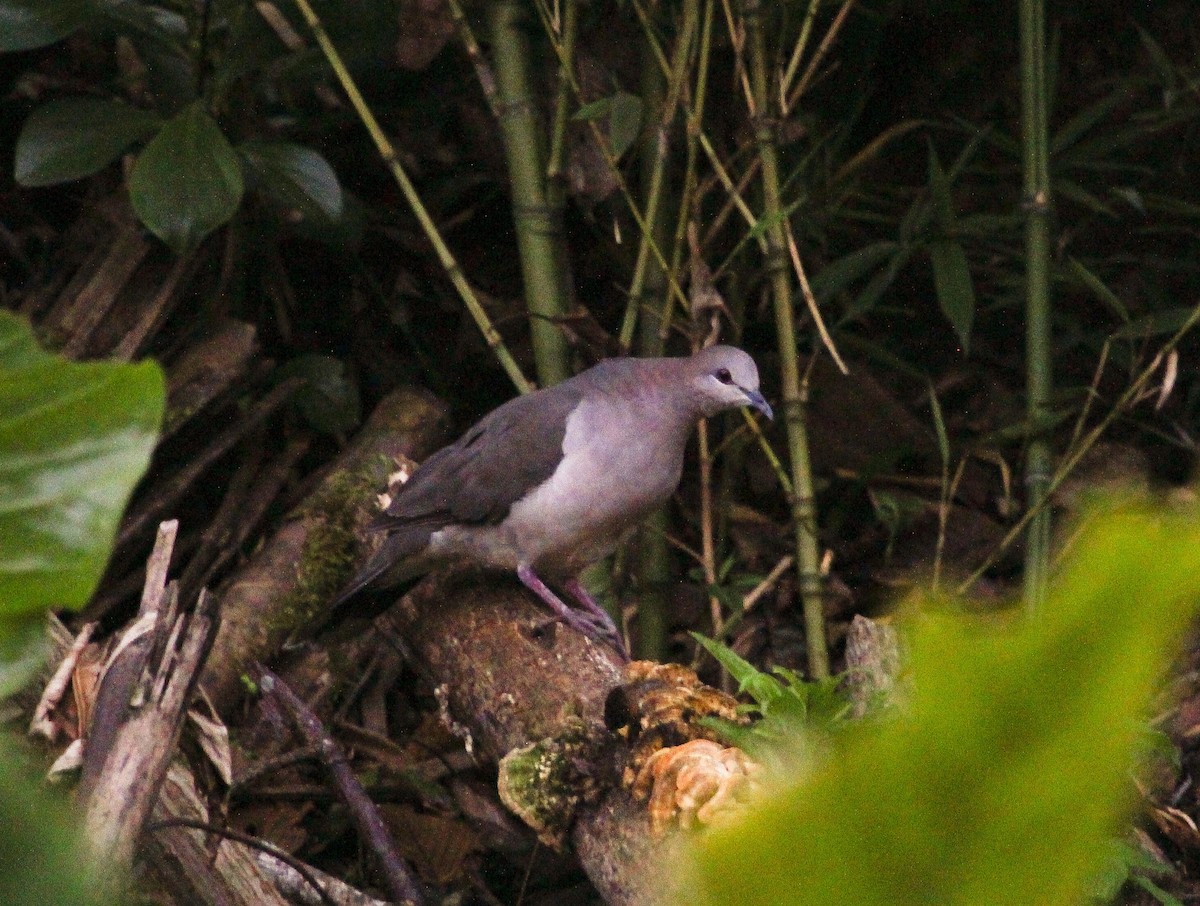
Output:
x=1097 y=288
x=624 y=121
x=838 y=275
x=955 y=291
x=939 y=193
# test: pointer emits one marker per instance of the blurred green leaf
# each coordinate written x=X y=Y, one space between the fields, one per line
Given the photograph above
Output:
x=838 y=275
x=296 y=177
x=1006 y=771
x=624 y=112
x=952 y=283
x=1123 y=864
x=75 y=137
x=187 y=181
x=26 y=24
x=1097 y=287
x=42 y=861
x=74 y=439
x=624 y=121
x=329 y=399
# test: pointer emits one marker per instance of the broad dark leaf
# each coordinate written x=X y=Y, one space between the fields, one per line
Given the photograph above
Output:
x=26 y=24
x=75 y=137
x=187 y=181
x=328 y=399
x=296 y=177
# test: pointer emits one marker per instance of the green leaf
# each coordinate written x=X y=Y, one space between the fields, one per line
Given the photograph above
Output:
x=74 y=439
x=939 y=193
x=761 y=687
x=624 y=112
x=26 y=24
x=75 y=137
x=329 y=399
x=624 y=121
x=1005 y=772
x=1160 y=322
x=955 y=291
x=1097 y=287
x=187 y=181
x=593 y=110
x=838 y=275
x=296 y=177
x=45 y=863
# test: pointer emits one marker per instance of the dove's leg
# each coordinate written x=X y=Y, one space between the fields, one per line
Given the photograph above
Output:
x=584 y=623
x=598 y=614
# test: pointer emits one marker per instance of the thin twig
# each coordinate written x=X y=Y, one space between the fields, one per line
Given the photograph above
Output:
x=445 y=257
x=402 y=882
x=247 y=840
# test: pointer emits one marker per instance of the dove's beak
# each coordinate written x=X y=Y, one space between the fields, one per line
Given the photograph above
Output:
x=759 y=402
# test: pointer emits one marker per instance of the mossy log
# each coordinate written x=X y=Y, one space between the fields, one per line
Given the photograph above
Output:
x=508 y=677
x=295 y=574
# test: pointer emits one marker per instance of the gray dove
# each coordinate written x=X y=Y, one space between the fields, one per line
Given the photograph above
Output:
x=551 y=482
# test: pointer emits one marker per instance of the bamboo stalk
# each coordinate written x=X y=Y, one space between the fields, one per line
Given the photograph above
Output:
x=556 y=189
x=1039 y=462
x=808 y=562
x=540 y=240
x=657 y=149
x=392 y=161
x=1073 y=456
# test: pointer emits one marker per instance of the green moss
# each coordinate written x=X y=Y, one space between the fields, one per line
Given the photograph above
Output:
x=331 y=549
x=542 y=784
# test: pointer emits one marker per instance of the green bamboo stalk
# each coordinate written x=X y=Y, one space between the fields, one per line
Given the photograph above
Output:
x=392 y=161
x=611 y=162
x=653 y=558
x=556 y=166
x=1073 y=456
x=714 y=160
x=1039 y=462
x=808 y=562
x=656 y=151
x=540 y=241
x=689 y=201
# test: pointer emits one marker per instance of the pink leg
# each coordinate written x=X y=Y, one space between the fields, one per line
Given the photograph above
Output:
x=601 y=616
x=572 y=618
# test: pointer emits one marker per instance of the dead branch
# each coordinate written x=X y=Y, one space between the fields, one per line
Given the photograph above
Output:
x=402 y=882
x=128 y=785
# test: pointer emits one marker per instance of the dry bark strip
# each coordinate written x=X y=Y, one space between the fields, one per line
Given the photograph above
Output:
x=506 y=676
x=297 y=571
x=128 y=785
x=125 y=667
